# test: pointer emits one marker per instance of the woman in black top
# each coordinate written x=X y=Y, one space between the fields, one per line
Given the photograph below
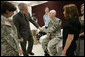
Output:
x=71 y=30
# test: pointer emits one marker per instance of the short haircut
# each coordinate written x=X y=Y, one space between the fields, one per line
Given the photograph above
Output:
x=21 y=6
x=53 y=11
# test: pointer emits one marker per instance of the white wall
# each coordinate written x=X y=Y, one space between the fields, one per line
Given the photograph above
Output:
x=30 y=10
x=32 y=3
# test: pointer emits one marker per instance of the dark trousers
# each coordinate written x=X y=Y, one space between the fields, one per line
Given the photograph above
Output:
x=70 y=53
x=29 y=48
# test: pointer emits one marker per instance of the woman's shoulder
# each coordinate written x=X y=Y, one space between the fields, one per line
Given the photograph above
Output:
x=57 y=19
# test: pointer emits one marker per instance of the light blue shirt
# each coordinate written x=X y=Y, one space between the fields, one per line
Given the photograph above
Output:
x=46 y=19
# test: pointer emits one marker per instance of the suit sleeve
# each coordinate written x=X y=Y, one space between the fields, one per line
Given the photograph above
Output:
x=16 y=23
x=32 y=21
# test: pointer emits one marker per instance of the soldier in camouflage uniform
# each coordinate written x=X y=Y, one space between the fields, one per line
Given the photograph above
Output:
x=53 y=34
x=9 y=38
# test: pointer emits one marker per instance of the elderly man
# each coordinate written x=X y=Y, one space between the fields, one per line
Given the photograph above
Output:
x=21 y=21
x=53 y=34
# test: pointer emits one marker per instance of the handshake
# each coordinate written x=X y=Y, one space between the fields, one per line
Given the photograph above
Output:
x=41 y=29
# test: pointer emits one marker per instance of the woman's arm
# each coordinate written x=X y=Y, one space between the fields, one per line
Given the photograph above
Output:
x=68 y=43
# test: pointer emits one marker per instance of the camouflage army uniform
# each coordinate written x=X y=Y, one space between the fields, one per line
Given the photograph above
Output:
x=9 y=42
x=54 y=29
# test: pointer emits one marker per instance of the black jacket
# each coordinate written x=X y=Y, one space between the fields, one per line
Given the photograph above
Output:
x=23 y=27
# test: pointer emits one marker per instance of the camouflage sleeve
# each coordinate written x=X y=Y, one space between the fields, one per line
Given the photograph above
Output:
x=17 y=43
x=7 y=35
x=2 y=21
x=52 y=28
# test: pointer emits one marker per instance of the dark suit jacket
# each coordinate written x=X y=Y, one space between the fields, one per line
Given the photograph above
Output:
x=23 y=28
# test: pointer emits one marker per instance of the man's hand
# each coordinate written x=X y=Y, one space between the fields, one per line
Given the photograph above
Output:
x=21 y=40
x=40 y=28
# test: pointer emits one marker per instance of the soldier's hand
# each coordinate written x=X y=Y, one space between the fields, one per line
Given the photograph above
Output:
x=7 y=23
x=48 y=35
x=21 y=40
x=20 y=52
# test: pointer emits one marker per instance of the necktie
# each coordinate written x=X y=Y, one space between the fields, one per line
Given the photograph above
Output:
x=26 y=18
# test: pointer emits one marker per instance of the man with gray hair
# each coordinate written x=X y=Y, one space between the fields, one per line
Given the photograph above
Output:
x=21 y=21
x=53 y=35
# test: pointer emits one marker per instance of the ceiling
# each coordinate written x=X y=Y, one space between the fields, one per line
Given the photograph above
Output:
x=30 y=3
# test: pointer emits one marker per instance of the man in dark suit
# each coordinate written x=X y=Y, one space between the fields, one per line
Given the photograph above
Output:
x=21 y=21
